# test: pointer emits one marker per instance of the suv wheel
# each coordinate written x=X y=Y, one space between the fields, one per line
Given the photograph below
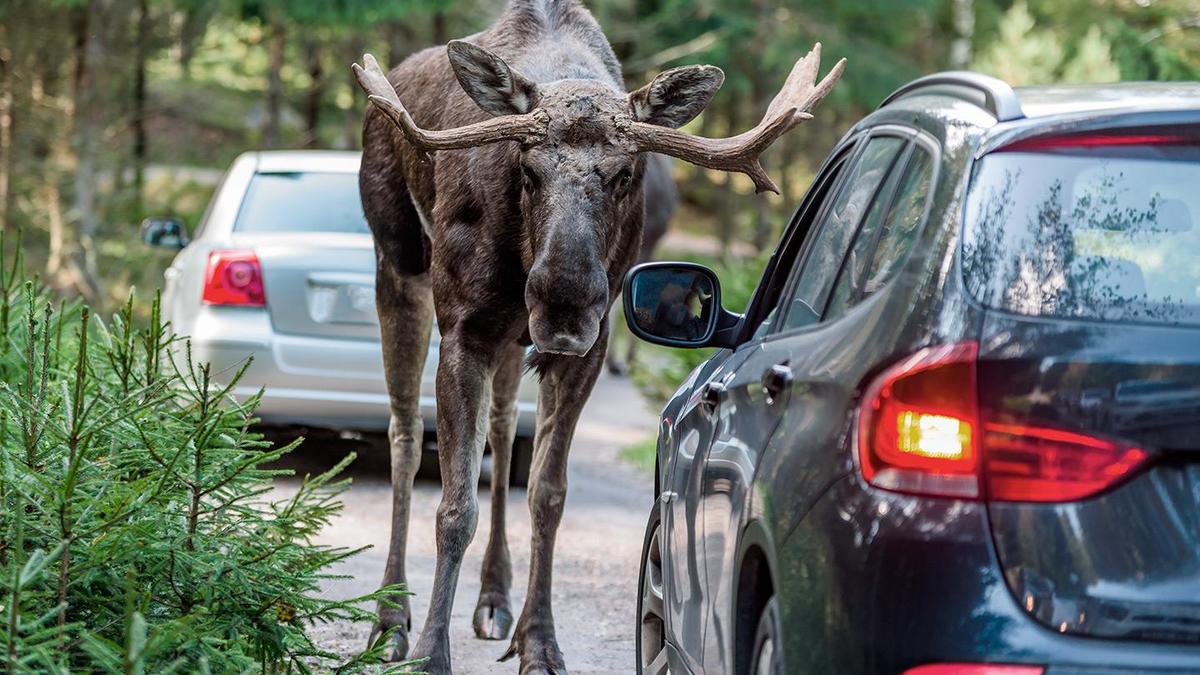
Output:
x=767 y=659
x=651 y=629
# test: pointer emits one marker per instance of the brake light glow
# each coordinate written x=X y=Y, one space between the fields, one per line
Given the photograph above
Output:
x=921 y=431
x=917 y=428
x=234 y=278
x=975 y=669
x=938 y=436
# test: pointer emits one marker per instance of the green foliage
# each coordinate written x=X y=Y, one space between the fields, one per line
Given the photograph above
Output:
x=138 y=530
x=659 y=370
x=642 y=454
x=1025 y=54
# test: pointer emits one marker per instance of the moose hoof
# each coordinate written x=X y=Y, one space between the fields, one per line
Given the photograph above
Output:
x=492 y=620
x=538 y=657
x=399 y=642
x=397 y=621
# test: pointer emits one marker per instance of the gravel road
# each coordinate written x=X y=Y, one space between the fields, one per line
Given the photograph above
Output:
x=596 y=557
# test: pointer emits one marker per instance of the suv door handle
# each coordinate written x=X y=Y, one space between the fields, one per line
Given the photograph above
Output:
x=711 y=397
x=776 y=381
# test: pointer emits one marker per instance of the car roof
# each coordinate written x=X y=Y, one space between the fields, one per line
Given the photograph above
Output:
x=1045 y=101
x=935 y=95
x=327 y=161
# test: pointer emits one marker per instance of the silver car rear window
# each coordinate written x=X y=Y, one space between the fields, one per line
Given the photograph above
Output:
x=302 y=202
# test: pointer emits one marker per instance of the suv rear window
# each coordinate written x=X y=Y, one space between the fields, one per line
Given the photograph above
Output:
x=302 y=202
x=1093 y=227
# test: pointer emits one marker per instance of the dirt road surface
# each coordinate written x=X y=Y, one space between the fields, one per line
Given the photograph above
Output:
x=596 y=557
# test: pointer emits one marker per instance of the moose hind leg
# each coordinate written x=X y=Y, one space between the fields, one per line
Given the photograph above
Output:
x=566 y=384
x=405 y=306
x=615 y=365
x=493 y=613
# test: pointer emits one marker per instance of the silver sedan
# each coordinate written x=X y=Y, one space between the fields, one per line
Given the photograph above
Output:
x=281 y=268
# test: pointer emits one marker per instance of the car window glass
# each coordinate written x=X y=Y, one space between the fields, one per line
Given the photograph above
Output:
x=307 y=201
x=834 y=232
x=885 y=241
x=791 y=247
x=1103 y=231
x=855 y=262
x=903 y=223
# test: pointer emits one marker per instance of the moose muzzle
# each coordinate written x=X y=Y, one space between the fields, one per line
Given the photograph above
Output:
x=566 y=304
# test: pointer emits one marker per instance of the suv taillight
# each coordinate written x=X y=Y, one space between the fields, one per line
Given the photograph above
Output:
x=234 y=278
x=921 y=431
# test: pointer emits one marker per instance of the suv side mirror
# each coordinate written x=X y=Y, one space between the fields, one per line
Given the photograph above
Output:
x=677 y=304
x=164 y=233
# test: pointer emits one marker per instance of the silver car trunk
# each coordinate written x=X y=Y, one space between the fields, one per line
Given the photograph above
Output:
x=318 y=284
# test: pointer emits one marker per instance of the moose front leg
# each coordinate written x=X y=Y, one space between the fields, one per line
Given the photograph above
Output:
x=493 y=614
x=463 y=382
x=567 y=382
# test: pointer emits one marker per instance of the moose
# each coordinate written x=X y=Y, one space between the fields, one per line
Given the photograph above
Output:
x=506 y=196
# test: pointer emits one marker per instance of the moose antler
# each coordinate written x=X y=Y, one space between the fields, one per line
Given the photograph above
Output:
x=791 y=106
x=530 y=127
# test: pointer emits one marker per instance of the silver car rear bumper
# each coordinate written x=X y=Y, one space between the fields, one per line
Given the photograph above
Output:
x=314 y=381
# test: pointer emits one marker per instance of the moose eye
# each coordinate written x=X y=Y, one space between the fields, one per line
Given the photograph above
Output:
x=529 y=179
x=622 y=179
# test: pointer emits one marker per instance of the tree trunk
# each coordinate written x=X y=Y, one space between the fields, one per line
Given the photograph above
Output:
x=316 y=92
x=88 y=127
x=272 y=126
x=6 y=123
x=964 y=34
x=400 y=39
x=352 y=120
x=697 y=178
x=138 y=121
x=727 y=228
x=191 y=33
x=761 y=92
x=439 y=27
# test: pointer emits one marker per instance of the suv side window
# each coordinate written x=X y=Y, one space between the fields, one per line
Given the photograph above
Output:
x=887 y=235
x=832 y=235
x=766 y=307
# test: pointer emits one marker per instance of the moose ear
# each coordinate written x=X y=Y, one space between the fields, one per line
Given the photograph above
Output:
x=489 y=81
x=676 y=96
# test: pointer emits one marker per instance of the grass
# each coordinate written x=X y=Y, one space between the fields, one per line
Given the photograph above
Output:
x=642 y=454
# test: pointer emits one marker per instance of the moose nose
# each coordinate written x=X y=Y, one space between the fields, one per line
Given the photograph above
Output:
x=565 y=344
x=577 y=289
x=565 y=310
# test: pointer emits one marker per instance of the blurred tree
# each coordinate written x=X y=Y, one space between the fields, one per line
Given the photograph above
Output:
x=1021 y=54
x=1092 y=61
x=6 y=112
x=94 y=91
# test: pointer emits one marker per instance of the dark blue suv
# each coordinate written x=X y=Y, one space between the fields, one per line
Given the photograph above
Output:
x=957 y=429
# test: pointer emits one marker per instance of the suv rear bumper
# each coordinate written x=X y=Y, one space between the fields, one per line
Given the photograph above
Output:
x=885 y=582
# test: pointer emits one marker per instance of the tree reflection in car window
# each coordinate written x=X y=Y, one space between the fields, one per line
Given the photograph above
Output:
x=885 y=238
x=833 y=234
x=1081 y=234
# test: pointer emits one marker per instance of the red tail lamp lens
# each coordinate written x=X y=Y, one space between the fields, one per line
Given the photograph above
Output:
x=919 y=424
x=234 y=278
x=974 y=669
x=921 y=431
x=1032 y=464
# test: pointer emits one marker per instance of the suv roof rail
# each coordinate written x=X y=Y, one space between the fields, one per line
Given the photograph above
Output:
x=992 y=94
